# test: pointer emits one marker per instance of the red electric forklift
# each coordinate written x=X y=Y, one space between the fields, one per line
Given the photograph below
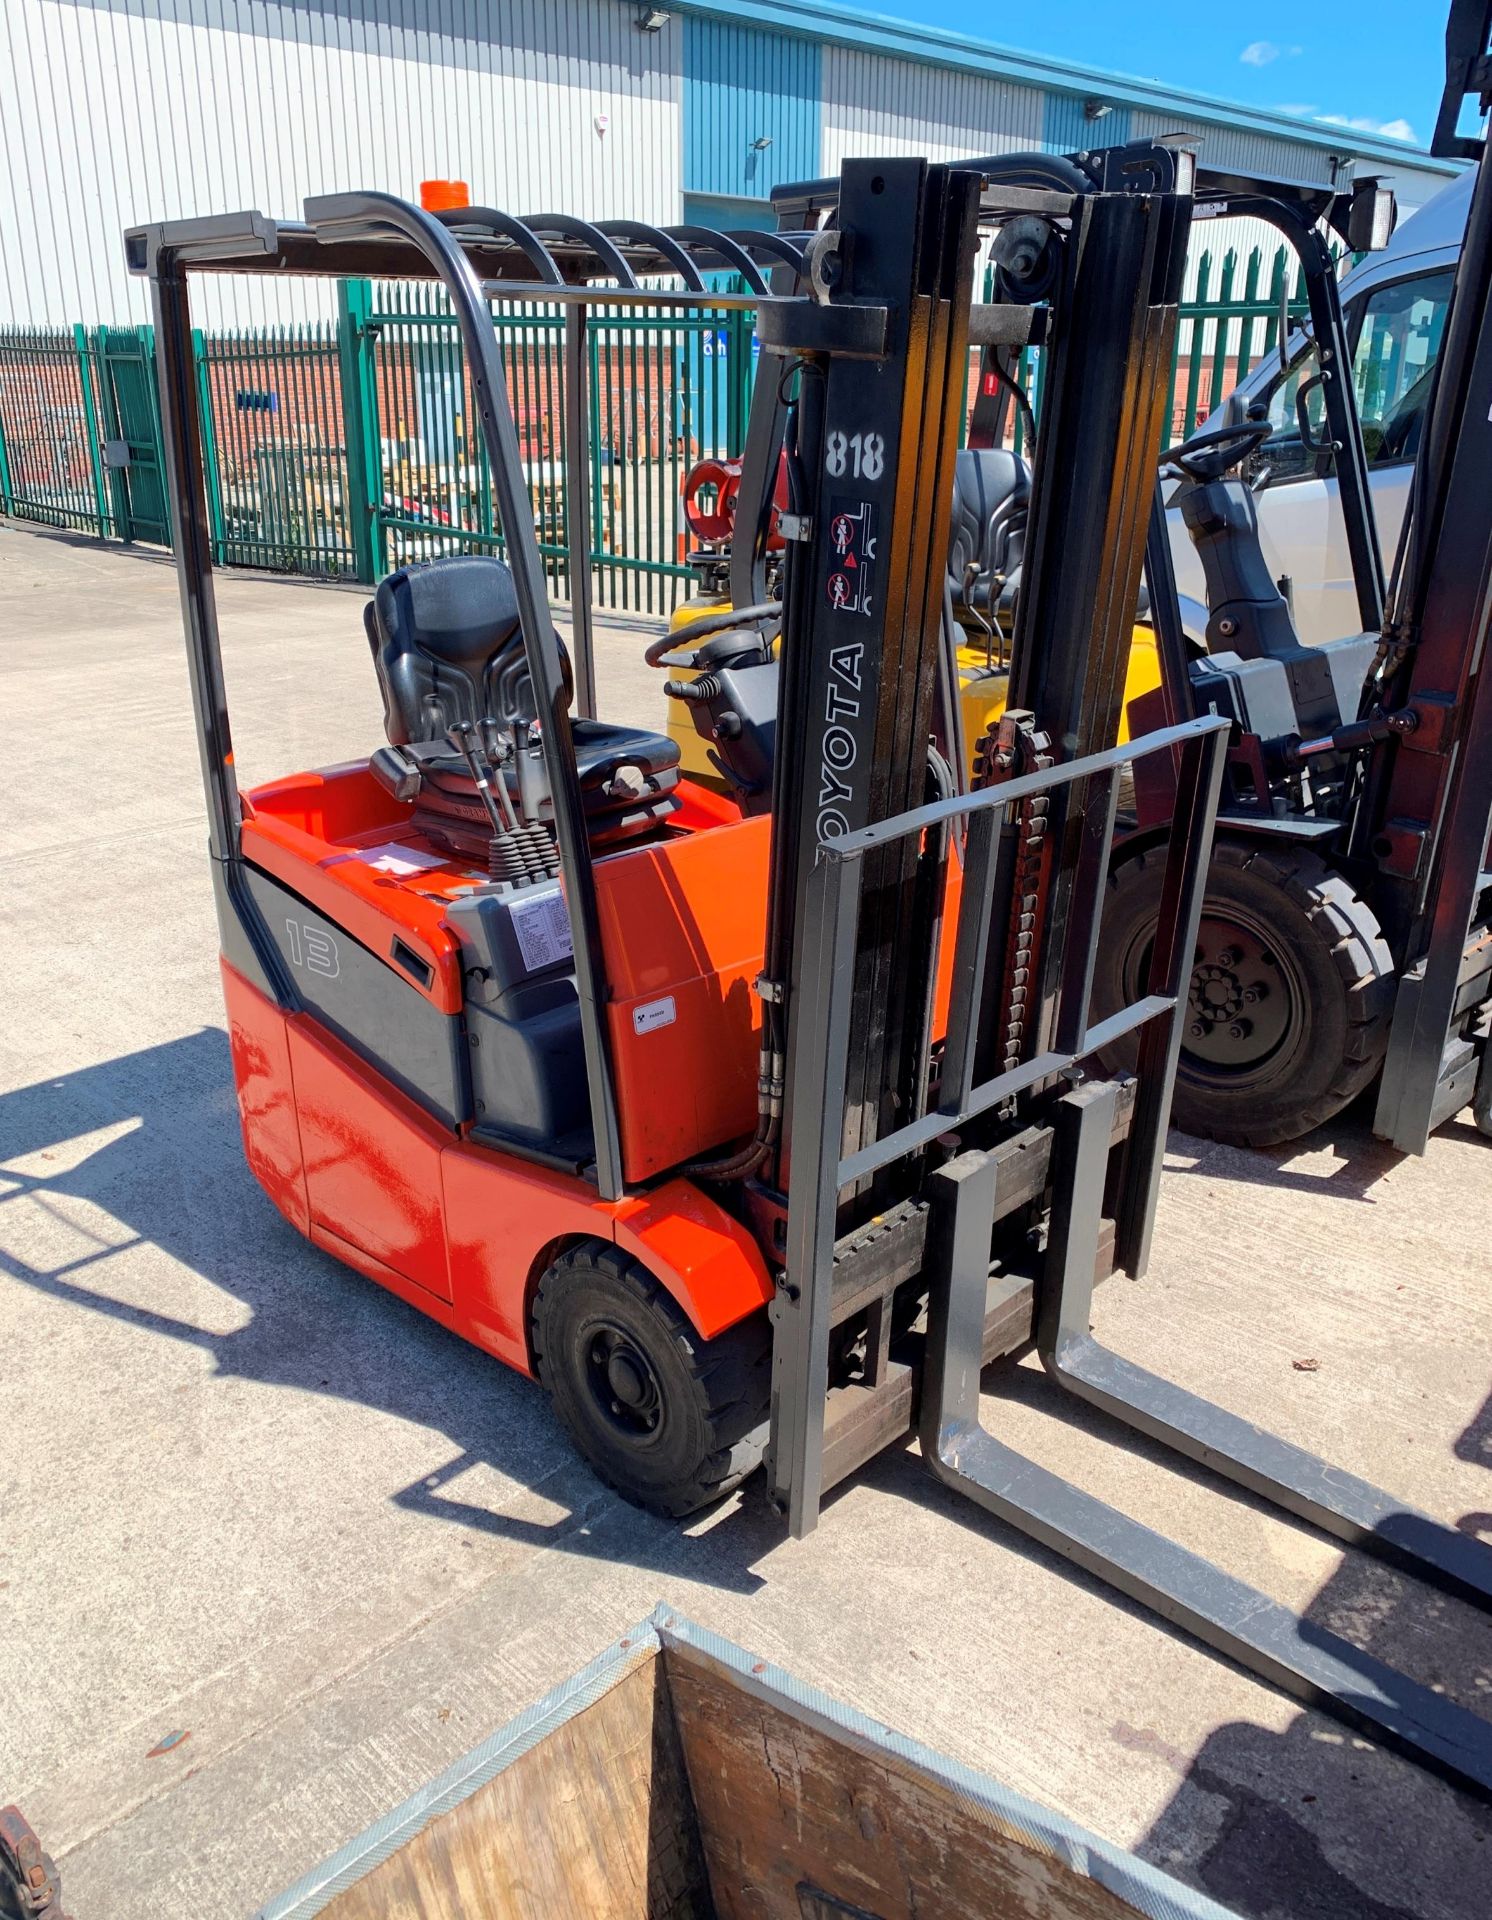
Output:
x=753 y=1136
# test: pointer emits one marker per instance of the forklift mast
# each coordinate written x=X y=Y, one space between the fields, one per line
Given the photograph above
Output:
x=1427 y=809
x=1009 y=1168
x=872 y=459
x=882 y=1056
x=882 y=353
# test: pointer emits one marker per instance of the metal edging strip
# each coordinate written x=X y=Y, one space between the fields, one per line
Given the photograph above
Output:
x=315 y=1890
x=1147 y=1889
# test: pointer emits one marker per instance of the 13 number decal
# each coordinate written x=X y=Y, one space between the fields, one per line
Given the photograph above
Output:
x=861 y=454
x=312 y=949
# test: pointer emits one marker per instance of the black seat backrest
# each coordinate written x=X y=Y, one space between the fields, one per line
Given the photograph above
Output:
x=447 y=646
x=991 y=496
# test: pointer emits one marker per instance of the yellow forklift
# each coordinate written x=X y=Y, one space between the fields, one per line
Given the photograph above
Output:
x=733 y=510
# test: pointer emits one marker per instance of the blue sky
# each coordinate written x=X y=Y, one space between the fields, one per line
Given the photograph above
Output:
x=1377 y=64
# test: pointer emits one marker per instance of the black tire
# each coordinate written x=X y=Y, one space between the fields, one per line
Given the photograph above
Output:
x=670 y=1420
x=1290 y=997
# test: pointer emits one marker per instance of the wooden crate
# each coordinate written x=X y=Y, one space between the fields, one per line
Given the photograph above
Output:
x=678 y=1778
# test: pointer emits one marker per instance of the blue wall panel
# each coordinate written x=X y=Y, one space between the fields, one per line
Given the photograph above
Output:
x=742 y=85
x=1065 y=128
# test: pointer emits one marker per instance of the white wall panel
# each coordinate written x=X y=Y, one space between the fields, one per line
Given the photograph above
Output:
x=126 y=110
x=874 y=104
x=117 y=111
x=1241 y=148
x=1224 y=146
x=1411 y=186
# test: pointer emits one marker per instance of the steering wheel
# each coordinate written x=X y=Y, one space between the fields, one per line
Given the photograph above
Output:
x=662 y=652
x=1209 y=455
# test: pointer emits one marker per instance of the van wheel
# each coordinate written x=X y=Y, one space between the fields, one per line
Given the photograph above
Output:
x=670 y=1420
x=1290 y=996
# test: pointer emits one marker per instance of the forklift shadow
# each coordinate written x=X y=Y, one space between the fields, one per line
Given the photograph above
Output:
x=144 y=1152
x=1340 y=1160
x=1312 y=1820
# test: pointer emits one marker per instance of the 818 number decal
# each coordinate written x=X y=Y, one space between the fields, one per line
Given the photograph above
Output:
x=861 y=454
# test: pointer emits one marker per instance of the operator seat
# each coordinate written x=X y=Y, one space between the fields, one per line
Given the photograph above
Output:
x=448 y=648
x=987 y=535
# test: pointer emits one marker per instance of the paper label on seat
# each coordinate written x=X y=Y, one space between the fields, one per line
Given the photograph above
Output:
x=400 y=860
x=542 y=924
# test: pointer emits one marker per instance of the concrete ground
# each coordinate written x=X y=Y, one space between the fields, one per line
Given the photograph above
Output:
x=274 y=1548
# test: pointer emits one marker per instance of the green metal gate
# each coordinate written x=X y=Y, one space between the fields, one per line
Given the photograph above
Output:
x=663 y=387
x=51 y=460
x=283 y=490
x=130 y=416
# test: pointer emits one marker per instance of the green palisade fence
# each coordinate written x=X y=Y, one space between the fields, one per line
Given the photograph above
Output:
x=346 y=447
x=51 y=441
x=1227 y=329
x=278 y=490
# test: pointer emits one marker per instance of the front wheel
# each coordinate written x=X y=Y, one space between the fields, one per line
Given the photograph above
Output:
x=1287 y=1012
x=670 y=1420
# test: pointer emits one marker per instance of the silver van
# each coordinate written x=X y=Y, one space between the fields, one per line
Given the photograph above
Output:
x=1395 y=306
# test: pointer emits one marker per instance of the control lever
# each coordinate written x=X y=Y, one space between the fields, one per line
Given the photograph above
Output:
x=460 y=738
x=517 y=854
x=498 y=750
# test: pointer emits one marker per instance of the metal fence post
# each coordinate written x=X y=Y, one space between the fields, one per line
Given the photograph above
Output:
x=90 y=421
x=740 y=330
x=211 y=469
x=577 y=464
x=7 y=498
x=600 y=476
x=360 y=426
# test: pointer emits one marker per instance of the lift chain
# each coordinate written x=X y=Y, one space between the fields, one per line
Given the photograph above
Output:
x=1011 y=748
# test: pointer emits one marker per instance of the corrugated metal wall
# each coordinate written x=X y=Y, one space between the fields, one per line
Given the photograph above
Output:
x=117 y=111
x=1237 y=147
x=876 y=104
x=1284 y=159
x=142 y=109
x=1223 y=146
x=743 y=86
x=1066 y=127
x=1412 y=187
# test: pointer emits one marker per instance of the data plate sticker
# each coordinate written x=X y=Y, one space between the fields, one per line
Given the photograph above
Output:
x=653 y=1014
x=852 y=555
x=542 y=924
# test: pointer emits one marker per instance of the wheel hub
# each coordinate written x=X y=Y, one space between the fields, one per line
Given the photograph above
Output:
x=623 y=1384
x=1239 y=1003
x=1216 y=993
x=626 y=1379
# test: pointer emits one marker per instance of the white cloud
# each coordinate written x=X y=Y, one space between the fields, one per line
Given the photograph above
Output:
x=1399 y=129
x=1260 y=53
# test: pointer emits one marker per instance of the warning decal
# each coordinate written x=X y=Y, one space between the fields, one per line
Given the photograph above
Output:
x=852 y=544
x=542 y=925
